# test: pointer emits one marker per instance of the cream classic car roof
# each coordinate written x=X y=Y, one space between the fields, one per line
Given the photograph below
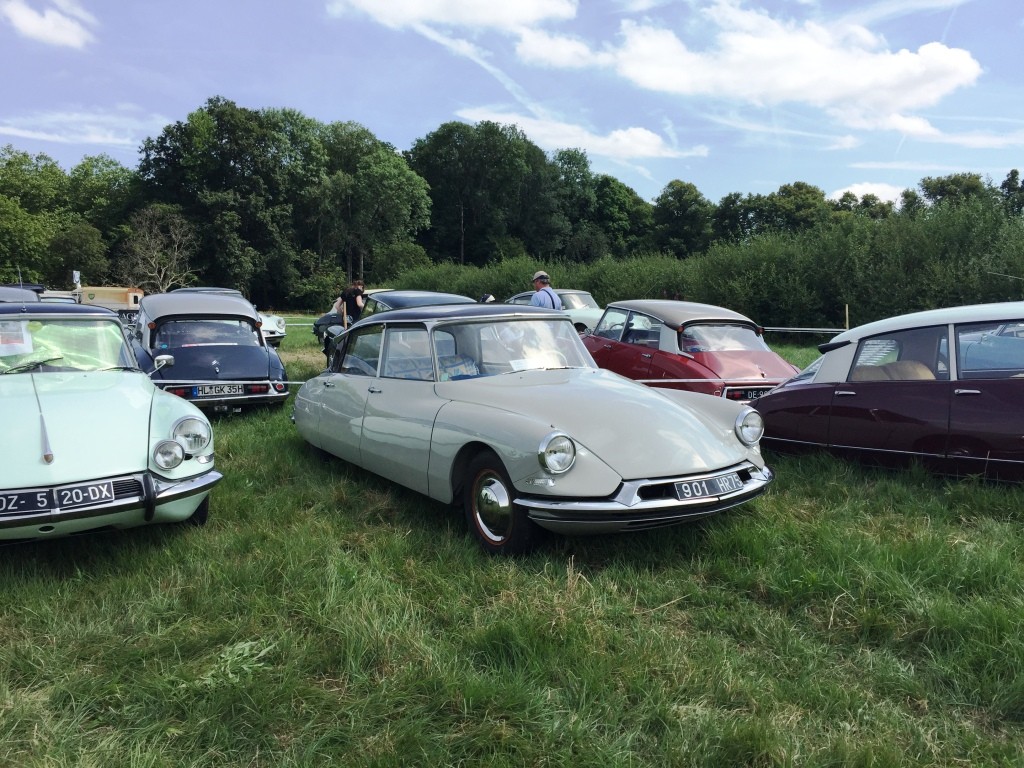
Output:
x=164 y=304
x=972 y=313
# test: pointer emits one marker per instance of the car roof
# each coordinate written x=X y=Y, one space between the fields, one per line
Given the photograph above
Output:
x=559 y=291
x=18 y=294
x=203 y=303
x=677 y=313
x=471 y=311
x=207 y=289
x=399 y=299
x=39 y=309
x=971 y=313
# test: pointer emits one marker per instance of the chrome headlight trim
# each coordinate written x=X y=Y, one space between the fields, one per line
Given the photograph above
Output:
x=193 y=433
x=749 y=427
x=557 y=453
x=168 y=454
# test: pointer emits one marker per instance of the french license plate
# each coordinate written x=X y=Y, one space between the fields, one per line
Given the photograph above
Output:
x=215 y=390
x=48 y=499
x=709 y=486
x=753 y=394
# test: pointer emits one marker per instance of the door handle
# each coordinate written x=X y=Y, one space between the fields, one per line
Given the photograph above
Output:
x=648 y=355
x=966 y=391
x=328 y=384
x=844 y=392
x=374 y=390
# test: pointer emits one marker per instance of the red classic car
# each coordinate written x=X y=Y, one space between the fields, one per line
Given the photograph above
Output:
x=943 y=386
x=684 y=345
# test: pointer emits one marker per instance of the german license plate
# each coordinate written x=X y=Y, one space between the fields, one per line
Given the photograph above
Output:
x=709 y=486
x=48 y=499
x=215 y=390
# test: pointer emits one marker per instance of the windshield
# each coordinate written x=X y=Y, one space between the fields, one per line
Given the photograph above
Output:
x=720 y=338
x=578 y=301
x=507 y=345
x=205 y=332
x=62 y=345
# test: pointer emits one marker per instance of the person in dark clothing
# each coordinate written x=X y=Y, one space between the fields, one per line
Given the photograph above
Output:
x=350 y=304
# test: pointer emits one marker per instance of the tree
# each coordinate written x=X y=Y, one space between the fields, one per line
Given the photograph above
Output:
x=682 y=219
x=24 y=238
x=488 y=183
x=158 y=250
x=1013 y=193
x=37 y=183
x=625 y=218
x=76 y=246
x=955 y=188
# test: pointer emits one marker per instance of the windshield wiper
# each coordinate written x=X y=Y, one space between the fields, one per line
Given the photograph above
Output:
x=32 y=364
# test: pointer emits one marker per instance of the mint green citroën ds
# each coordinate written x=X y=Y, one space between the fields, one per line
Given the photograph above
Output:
x=89 y=442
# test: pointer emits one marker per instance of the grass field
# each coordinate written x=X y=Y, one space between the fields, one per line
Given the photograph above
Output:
x=849 y=617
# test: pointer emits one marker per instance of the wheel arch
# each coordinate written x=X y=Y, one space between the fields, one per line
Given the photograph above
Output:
x=466 y=454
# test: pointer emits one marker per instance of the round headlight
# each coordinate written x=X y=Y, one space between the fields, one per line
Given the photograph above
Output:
x=749 y=427
x=557 y=453
x=193 y=434
x=280 y=324
x=168 y=454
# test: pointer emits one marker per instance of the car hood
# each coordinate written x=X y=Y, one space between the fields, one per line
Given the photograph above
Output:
x=215 y=362
x=97 y=424
x=638 y=431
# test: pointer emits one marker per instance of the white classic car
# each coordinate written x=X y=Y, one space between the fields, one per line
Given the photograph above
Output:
x=579 y=305
x=501 y=409
x=89 y=441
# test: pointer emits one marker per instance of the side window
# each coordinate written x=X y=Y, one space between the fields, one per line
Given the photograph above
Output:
x=407 y=355
x=911 y=355
x=990 y=350
x=520 y=299
x=360 y=354
x=611 y=324
x=641 y=330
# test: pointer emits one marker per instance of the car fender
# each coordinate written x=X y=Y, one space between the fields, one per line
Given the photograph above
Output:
x=516 y=439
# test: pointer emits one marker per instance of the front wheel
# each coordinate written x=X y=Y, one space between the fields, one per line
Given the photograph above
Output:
x=201 y=515
x=499 y=525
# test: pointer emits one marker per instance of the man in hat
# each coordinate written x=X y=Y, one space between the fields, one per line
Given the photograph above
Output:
x=544 y=296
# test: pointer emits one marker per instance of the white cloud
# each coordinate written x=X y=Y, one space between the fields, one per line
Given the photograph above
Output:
x=63 y=25
x=120 y=128
x=542 y=49
x=888 y=192
x=510 y=15
x=623 y=144
x=753 y=58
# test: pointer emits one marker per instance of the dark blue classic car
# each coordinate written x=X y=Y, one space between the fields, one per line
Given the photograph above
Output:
x=207 y=348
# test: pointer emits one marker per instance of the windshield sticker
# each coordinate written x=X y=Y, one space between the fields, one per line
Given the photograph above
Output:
x=14 y=338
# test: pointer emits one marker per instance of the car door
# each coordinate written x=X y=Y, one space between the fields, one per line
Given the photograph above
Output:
x=894 y=403
x=343 y=393
x=619 y=343
x=400 y=409
x=986 y=432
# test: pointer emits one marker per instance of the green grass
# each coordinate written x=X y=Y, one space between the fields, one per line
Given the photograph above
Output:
x=850 y=617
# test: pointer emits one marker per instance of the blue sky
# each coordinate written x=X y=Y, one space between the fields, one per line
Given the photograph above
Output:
x=729 y=95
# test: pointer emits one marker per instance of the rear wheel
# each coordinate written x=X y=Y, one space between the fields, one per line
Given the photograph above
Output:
x=500 y=526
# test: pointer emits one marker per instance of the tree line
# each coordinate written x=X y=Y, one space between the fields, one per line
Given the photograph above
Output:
x=287 y=209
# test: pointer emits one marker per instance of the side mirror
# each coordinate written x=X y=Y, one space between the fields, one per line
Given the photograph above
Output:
x=163 y=361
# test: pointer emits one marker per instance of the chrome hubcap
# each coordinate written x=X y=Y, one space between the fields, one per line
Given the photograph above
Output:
x=492 y=507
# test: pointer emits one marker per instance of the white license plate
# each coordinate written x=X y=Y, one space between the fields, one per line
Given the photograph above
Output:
x=215 y=390
x=709 y=486
x=48 y=499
